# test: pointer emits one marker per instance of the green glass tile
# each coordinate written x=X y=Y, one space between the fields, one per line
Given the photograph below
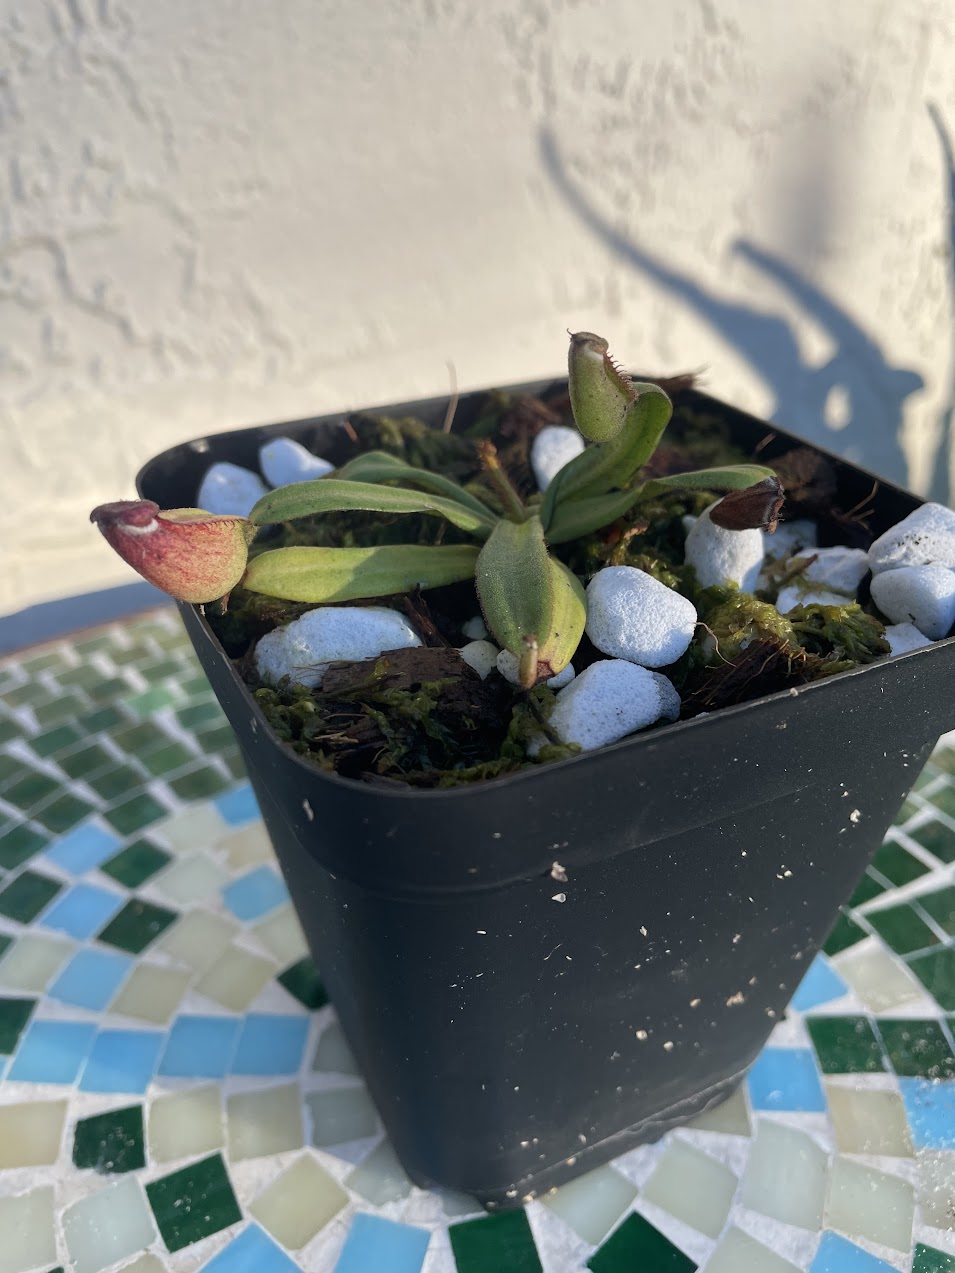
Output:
x=105 y=690
x=845 y=933
x=501 y=1242
x=941 y=907
x=926 y=1259
x=55 y=740
x=918 y=1049
x=14 y=1015
x=87 y=760
x=102 y=720
x=64 y=707
x=118 y=781
x=19 y=844
x=198 y=714
x=937 y=838
x=845 y=1045
x=151 y=700
x=909 y=809
x=160 y=671
x=29 y=694
x=901 y=929
x=866 y=889
x=122 y=658
x=302 y=981
x=5 y=944
x=943 y=758
x=137 y=925
x=82 y=677
x=636 y=1246
x=63 y=813
x=31 y=789
x=93 y=645
x=897 y=864
x=14 y=771
x=194 y=1202
x=134 y=814
x=134 y=740
x=200 y=784
x=9 y=730
x=27 y=895
x=235 y=764
x=42 y=662
x=165 y=759
x=944 y=799
x=216 y=739
x=927 y=776
x=196 y=687
x=136 y=864
x=111 y=1143
x=936 y=971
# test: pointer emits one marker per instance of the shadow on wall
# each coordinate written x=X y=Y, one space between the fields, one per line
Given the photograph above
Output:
x=941 y=487
x=861 y=393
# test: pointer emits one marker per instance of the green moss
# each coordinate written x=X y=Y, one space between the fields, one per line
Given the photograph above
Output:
x=841 y=637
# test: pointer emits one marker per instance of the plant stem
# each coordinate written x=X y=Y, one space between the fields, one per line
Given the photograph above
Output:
x=513 y=504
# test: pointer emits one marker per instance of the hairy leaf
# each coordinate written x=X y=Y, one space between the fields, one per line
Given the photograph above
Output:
x=380 y=466
x=731 y=477
x=319 y=575
x=332 y=495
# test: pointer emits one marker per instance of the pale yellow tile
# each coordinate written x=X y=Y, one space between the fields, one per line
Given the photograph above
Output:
x=264 y=1121
x=341 y=1114
x=880 y=980
x=299 y=1202
x=868 y=1204
x=33 y=960
x=198 y=827
x=281 y=935
x=869 y=1122
x=333 y=1055
x=198 y=939
x=235 y=978
x=785 y=1175
x=195 y=878
x=249 y=846
x=380 y=1177
x=108 y=1226
x=185 y=1124
x=730 y=1116
x=30 y=1133
x=692 y=1186
x=152 y=993
x=739 y=1253
x=936 y=1189
x=145 y=1264
x=592 y=1204
x=27 y=1237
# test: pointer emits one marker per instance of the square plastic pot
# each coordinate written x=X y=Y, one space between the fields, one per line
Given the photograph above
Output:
x=515 y=1029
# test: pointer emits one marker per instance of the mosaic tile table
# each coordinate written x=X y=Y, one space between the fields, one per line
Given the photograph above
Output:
x=175 y=1092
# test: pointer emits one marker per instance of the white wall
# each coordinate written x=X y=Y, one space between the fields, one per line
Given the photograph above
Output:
x=218 y=213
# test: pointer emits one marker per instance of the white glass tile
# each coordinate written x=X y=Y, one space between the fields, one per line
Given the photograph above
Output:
x=333 y=1054
x=201 y=826
x=195 y=878
x=692 y=1186
x=185 y=1124
x=249 y=846
x=341 y=1114
x=868 y=1204
x=108 y=1226
x=281 y=935
x=936 y=1189
x=880 y=980
x=27 y=1238
x=592 y=1204
x=152 y=993
x=730 y=1116
x=235 y=978
x=198 y=939
x=380 y=1177
x=299 y=1202
x=869 y=1121
x=264 y=1121
x=785 y=1176
x=32 y=961
x=145 y=1264
x=30 y=1133
x=739 y=1253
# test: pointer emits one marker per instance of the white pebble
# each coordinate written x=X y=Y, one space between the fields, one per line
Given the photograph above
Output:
x=475 y=629
x=792 y=596
x=903 y=637
x=921 y=595
x=227 y=488
x=724 y=556
x=509 y=665
x=841 y=569
x=555 y=446
x=481 y=655
x=283 y=461
x=304 y=648
x=925 y=538
x=790 y=538
x=610 y=700
x=631 y=615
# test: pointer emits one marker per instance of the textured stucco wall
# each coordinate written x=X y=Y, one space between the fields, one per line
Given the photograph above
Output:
x=220 y=213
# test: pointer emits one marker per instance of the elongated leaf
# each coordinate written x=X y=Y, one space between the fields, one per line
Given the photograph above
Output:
x=579 y=517
x=379 y=466
x=731 y=477
x=332 y=495
x=352 y=574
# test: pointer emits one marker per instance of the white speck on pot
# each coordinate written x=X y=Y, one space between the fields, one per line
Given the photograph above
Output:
x=926 y=537
x=793 y=596
x=481 y=655
x=737 y=937
x=855 y=815
x=559 y=897
x=903 y=637
x=309 y=812
x=642 y=1035
x=695 y=1003
x=724 y=556
x=475 y=629
x=283 y=461
x=555 y=446
x=668 y=1046
x=631 y=615
x=643 y=930
x=231 y=489
x=610 y=700
x=481 y=932
x=557 y=872
x=790 y=538
x=920 y=595
x=495 y=835
x=734 y=1000
x=304 y=648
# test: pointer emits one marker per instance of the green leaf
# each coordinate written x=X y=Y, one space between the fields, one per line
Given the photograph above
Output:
x=579 y=517
x=533 y=605
x=379 y=466
x=730 y=477
x=600 y=396
x=351 y=574
x=332 y=495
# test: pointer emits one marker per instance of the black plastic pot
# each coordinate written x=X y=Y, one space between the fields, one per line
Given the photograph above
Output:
x=514 y=1029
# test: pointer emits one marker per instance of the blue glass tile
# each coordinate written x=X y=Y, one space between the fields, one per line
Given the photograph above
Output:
x=376 y=1243
x=821 y=984
x=84 y=848
x=270 y=1044
x=200 y=1047
x=838 y=1255
x=239 y=806
x=930 y=1109
x=253 y=1251
x=82 y=911
x=255 y=894
x=91 y=978
x=52 y=1051
x=122 y=1061
x=786 y=1078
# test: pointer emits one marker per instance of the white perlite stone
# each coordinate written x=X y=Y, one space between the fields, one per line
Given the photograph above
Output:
x=555 y=446
x=227 y=488
x=475 y=629
x=283 y=461
x=481 y=655
x=922 y=595
x=303 y=650
x=508 y=665
x=631 y=615
x=924 y=538
x=724 y=556
x=841 y=569
x=610 y=700
x=903 y=637
x=790 y=538
x=792 y=596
